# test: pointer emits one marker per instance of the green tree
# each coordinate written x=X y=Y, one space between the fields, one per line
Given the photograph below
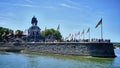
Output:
x=52 y=32
x=4 y=32
x=19 y=33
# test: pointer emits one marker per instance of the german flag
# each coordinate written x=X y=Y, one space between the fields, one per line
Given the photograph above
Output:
x=100 y=22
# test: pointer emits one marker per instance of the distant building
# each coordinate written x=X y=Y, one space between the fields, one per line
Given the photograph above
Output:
x=34 y=31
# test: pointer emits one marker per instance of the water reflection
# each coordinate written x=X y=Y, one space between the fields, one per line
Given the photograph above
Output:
x=17 y=60
x=116 y=62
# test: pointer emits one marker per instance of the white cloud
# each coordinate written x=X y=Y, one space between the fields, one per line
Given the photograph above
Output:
x=80 y=6
x=24 y=5
x=19 y=4
x=33 y=6
x=68 y=6
x=65 y=5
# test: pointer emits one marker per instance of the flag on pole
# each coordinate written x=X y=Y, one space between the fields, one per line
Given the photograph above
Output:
x=100 y=22
x=79 y=33
x=69 y=35
x=72 y=36
x=66 y=38
x=76 y=34
x=82 y=32
x=88 y=30
x=58 y=28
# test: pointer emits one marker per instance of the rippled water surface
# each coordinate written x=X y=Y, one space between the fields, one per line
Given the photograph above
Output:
x=18 y=60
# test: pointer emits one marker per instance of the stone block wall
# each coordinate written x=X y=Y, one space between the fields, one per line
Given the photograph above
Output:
x=84 y=49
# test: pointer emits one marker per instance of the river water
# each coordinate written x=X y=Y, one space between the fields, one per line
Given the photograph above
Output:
x=19 y=60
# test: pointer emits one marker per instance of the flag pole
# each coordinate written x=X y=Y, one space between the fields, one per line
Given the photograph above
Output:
x=89 y=35
x=45 y=35
x=84 y=37
x=100 y=23
x=83 y=34
x=79 y=37
x=88 y=31
x=101 y=31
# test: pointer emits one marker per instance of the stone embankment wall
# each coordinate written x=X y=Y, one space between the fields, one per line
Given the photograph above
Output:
x=84 y=49
x=67 y=48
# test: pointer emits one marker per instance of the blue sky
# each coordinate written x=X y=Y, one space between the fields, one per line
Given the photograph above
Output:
x=72 y=15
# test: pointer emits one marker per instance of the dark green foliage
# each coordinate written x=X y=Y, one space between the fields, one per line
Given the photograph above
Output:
x=117 y=45
x=4 y=32
x=19 y=33
x=49 y=33
x=52 y=32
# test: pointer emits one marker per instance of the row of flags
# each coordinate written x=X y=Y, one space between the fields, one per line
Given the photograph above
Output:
x=80 y=34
